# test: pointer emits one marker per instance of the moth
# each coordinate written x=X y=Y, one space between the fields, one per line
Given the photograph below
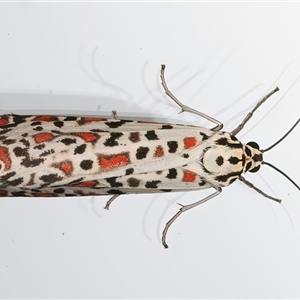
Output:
x=62 y=156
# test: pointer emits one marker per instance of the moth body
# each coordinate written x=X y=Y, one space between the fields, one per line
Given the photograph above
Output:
x=75 y=156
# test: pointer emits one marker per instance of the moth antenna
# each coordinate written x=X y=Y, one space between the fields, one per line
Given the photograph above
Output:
x=282 y=173
x=272 y=146
x=281 y=139
x=250 y=114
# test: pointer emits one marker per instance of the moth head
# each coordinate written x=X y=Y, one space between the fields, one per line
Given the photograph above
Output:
x=253 y=157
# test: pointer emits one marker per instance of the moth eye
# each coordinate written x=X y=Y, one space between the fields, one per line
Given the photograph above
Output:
x=254 y=169
x=253 y=145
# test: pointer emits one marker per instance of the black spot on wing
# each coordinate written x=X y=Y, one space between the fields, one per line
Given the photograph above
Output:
x=113 y=183
x=112 y=140
x=129 y=171
x=19 y=194
x=152 y=184
x=35 y=123
x=29 y=162
x=9 y=141
x=133 y=182
x=173 y=145
x=86 y=164
x=2 y=132
x=204 y=136
x=115 y=192
x=98 y=130
x=19 y=119
x=141 y=152
x=39 y=147
x=58 y=124
x=151 y=135
x=78 y=180
x=80 y=149
x=57 y=132
x=68 y=141
x=134 y=137
x=48 y=152
x=24 y=142
x=5 y=177
x=116 y=124
x=38 y=128
x=172 y=174
x=70 y=118
x=166 y=126
x=202 y=182
x=51 y=178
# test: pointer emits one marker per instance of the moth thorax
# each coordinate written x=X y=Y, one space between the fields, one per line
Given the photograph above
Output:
x=223 y=160
x=253 y=157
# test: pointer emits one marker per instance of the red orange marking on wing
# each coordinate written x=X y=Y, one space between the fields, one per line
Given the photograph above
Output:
x=45 y=118
x=4 y=156
x=159 y=151
x=66 y=167
x=92 y=119
x=3 y=193
x=189 y=142
x=189 y=176
x=44 y=195
x=90 y=183
x=43 y=137
x=3 y=121
x=88 y=136
x=113 y=161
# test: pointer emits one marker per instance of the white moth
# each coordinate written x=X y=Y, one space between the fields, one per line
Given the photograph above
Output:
x=60 y=156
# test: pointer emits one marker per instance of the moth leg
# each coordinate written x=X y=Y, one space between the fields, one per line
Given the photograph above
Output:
x=184 y=107
x=108 y=203
x=252 y=186
x=115 y=115
x=250 y=114
x=183 y=209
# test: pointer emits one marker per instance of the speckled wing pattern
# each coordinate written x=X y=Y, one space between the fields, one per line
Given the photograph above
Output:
x=49 y=156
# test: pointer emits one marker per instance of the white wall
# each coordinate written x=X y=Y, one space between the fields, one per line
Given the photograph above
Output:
x=238 y=245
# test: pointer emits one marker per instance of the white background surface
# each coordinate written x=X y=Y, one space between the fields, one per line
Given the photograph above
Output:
x=238 y=245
